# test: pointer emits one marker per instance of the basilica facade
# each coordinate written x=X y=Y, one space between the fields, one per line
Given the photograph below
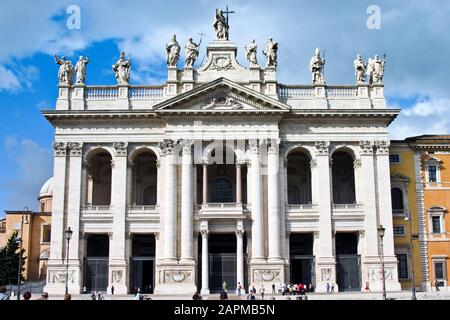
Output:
x=221 y=174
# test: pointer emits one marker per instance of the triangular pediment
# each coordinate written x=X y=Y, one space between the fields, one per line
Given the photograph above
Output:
x=221 y=95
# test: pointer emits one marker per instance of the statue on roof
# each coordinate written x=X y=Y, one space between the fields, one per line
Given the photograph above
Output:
x=66 y=70
x=271 y=53
x=122 y=69
x=221 y=25
x=316 y=66
x=191 y=52
x=360 y=69
x=375 y=70
x=251 y=53
x=80 y=68
x=173 y=52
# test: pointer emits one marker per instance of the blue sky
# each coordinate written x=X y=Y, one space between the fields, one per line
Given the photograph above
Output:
x=414 y=36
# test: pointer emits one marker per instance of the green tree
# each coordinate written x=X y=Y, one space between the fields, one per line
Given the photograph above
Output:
x=9 y=261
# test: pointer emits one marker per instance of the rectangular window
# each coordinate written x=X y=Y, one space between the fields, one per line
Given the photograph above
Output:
x=394 y=158
x=46 y=233
x=402 y=266
x=436 y=221
x=439 y=270
x=399 y=230
x=432 y=177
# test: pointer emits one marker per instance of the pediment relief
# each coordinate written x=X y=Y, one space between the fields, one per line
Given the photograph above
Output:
x=222 y=95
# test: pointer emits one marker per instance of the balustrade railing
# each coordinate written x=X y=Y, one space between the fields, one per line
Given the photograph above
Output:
x=141 y=208
x=101 y=93
x=344 y=206
x=301 y=206
x=342 y=92
x=96 y=208
x=287 y=92
x=146 y=93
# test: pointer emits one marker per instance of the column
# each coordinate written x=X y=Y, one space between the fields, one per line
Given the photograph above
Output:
x=238 y=183
x=170 y=202
x=385 y=213
x=186 y=204
x=205 y=262
x=240 y=257
x=257 y=213
x=273 y=200
x=73 y=214
x=205 y=183
x=117 y=259
x=368 y=176
x=59 y=189
x=325 y=263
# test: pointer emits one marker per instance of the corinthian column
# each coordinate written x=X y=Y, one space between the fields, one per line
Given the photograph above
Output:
x=205 y=262
x=240 y=257
x=170 y=201
x=186 y=204
x=273 y=200
x=256 y=209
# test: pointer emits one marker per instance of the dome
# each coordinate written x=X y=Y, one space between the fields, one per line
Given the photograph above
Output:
x=47 y=189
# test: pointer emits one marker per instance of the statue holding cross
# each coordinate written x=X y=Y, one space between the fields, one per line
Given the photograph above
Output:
x=221 y=25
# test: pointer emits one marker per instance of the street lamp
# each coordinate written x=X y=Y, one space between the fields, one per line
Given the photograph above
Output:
x=19 y=240
x=381 y=234
x=413 y=286
x=68 y=234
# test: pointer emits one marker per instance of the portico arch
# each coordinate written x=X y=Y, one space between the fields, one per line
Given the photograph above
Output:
x=99 y=162
x=299 y=176
x=343 y=176
x=144 y=181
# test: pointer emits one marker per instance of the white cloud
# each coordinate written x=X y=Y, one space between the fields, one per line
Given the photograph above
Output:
x=34 y=167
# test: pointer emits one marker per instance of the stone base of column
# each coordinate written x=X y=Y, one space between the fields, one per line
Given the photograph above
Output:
x=56 y=278
x=118 y=277
x=175 y=279
x=266 y=274
x=325 y=273
x=373 y=276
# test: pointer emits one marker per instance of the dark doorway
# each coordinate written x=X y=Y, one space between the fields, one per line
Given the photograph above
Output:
x=302 y=258
x=348 y=262
x=96 y=263
x=142 y=263
x=222 y=261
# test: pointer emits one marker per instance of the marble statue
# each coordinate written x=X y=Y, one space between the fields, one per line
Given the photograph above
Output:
x=360 y=69
x=122 y=69
x=80 y=68
x=251 y=53
x=316 y=66
x=221 y=25
x=271 y=53
x=375 y=70
x=191 y=52
x=66 y=70
x=173 y=52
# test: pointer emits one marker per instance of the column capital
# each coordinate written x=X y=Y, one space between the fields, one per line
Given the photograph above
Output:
x=357 y=163
x=187 y=146
x=254 y=145
x=273 y=146
x=156 y=234
x=366 y=147
x=204 y=233
x=312 y=163
x=382 y=147
x=167 y=146
x=322 y=147
x=239 y=233
x=316 y=234
x=121 y=148
x=60 y=149
x=76 y=148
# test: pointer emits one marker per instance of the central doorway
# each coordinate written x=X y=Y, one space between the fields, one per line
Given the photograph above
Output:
x=96 y=262
x=348 y=262
x=222 y=261
x=302 y=258
x=142 y=263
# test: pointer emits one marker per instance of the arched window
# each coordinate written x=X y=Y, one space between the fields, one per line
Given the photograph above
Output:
x=299 y=177
x=397 y=200
x=222 y=190
x=343 y=178
x=149 y=196
x=293 y=195
x=100 y=176
x=145 y=180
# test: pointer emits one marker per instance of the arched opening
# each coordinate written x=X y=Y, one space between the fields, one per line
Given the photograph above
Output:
x=99 y=179
x=397 y=200
x=299 y=177
x=343 y=178
x=145 y=179
x=96 y=262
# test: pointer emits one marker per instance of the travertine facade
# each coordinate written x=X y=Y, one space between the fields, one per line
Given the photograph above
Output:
x=300 y=160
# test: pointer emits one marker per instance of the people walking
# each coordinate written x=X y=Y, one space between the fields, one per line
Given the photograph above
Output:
x=197 y=296
x=262 y=291
x=436 y=285
x=94 y=295
x=112 y=290
x=332 y=287
x=27 y=295
x=273 y=288
x=223 y=295
x=328 y=287
x=239 y=287
x=3 y=295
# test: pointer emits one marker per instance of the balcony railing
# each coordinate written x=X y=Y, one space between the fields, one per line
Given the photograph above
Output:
x=289 y=92
x=142 y=209
x=347 y=206
x=101 y=93
x=222 y=209
x=145 y=93
x=301 y=206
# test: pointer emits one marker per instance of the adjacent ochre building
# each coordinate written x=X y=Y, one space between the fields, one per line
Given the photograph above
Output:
x=221 y=174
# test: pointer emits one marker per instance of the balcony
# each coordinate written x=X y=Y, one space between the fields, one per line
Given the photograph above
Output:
x=223 y=210
x=348 y=210
x=143 y=213
x=96 y=212
x=302 y=211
